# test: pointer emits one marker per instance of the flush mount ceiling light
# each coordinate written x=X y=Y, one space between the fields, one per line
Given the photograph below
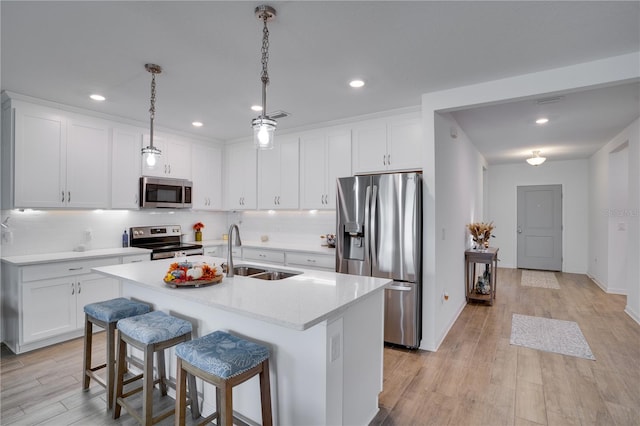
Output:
x=97 y=97
x=264 y=127
x=356 y=83
x=197 y=124
x=536 y=160
x=150 y=152
x=542 y=120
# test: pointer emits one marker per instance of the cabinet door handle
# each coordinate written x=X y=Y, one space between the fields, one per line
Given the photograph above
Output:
x=311 y=260
x=384 y=160
x=389 y=160
x=68 y=196
x=73 y=288
x=79 y=288
x=62 y=197
x=169 y=168
x=135 y=261
x=79 y=268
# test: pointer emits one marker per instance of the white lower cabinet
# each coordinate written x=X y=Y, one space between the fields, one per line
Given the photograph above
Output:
x=261 y=255
x=44 y=304
x=311 y=261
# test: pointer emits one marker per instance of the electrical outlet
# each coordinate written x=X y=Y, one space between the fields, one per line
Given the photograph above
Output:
x=7 y=237
x=335 y=347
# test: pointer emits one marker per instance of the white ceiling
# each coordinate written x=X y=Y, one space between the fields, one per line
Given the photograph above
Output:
x=210 y=53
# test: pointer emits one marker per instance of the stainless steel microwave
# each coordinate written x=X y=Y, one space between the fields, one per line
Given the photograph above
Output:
x=169 y=193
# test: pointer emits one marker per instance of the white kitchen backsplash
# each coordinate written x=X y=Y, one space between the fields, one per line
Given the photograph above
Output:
x=299 y=226
x=49 y=231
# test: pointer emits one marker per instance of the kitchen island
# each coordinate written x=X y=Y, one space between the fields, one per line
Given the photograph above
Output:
x=325 y=332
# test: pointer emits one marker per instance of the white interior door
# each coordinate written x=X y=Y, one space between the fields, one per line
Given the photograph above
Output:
x=540 y=227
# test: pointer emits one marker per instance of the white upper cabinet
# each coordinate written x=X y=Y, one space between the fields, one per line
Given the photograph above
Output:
x=206 y=174
x=240 y=162
x=60 y=159
x=391 y=144
x=125 y=168
x=278 y=179
x=39 y=144
x=88 y=163
x=324 y=157
x=175 y=160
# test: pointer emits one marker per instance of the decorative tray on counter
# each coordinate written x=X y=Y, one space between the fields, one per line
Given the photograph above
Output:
x=188 y=274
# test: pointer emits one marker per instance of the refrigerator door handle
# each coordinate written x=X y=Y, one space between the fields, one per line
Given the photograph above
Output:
x=367 y=229
x=373 y=224
x=398 y=288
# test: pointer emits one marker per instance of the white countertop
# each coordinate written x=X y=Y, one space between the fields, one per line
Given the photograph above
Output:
x=32 y=259
x=298 y=302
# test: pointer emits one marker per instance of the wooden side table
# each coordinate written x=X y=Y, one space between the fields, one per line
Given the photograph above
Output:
x=487 y=257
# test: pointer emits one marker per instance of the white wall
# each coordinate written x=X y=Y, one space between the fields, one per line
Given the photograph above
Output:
x=458 y=174
x=574 y=77
x=606 y=213
x=573 y=176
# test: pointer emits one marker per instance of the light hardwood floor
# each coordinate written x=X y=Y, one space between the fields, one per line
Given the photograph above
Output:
x=475 y=378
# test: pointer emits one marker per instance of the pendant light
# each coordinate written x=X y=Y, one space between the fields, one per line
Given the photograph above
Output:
x=150 y=153
x=263 y=126
x=536 y=160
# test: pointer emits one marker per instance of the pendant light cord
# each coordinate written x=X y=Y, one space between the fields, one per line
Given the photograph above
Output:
x=265 y=59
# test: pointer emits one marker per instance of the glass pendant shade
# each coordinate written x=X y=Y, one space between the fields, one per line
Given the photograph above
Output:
x=263 y=132
x=149 y=155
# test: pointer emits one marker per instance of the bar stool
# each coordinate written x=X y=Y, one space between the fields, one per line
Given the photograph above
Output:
x=225 y=361
x=151 y=333
x=106 y=314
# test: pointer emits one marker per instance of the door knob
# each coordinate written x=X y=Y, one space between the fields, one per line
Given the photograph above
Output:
x=519 y=230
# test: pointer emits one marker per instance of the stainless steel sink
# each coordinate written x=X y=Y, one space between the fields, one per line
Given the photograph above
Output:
x=245 y=271
x=252 y=271
x=275 y=275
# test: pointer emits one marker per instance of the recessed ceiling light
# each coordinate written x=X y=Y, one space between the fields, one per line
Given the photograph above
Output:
x=542 y=120
x=97 y=97
x=256 y=108
x=196 y=124
x=356 y=83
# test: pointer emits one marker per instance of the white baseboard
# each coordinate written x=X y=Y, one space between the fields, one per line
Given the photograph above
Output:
x=634 y=315
x=603 y=287
x=443 y=335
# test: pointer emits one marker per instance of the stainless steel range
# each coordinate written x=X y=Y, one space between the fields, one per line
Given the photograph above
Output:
x=164 y=241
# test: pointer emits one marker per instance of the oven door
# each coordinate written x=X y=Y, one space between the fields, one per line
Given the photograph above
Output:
x=162 y=192
x=179 y=253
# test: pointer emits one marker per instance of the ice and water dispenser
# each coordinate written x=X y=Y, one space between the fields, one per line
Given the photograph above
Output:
x=353 y=238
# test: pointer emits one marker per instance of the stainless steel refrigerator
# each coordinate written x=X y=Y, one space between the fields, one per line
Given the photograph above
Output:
x=379 y=234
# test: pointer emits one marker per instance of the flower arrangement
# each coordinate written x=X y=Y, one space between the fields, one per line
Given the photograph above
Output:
x=198 y=226
x=481 y=232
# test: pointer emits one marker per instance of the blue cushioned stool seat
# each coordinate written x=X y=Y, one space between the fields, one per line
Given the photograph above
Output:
x=154 y=327
x=105 y=314
x=223 y=360
x=222 y=354
x=151 y=333
x=116 y=309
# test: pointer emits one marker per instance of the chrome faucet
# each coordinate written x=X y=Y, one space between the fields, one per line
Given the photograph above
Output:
x=229 y=251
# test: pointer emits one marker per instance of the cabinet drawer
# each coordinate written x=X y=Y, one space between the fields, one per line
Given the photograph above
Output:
x=272 y=256
x=215 y=251
x=64 y=269
x=309 y=260
x=136 y=258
